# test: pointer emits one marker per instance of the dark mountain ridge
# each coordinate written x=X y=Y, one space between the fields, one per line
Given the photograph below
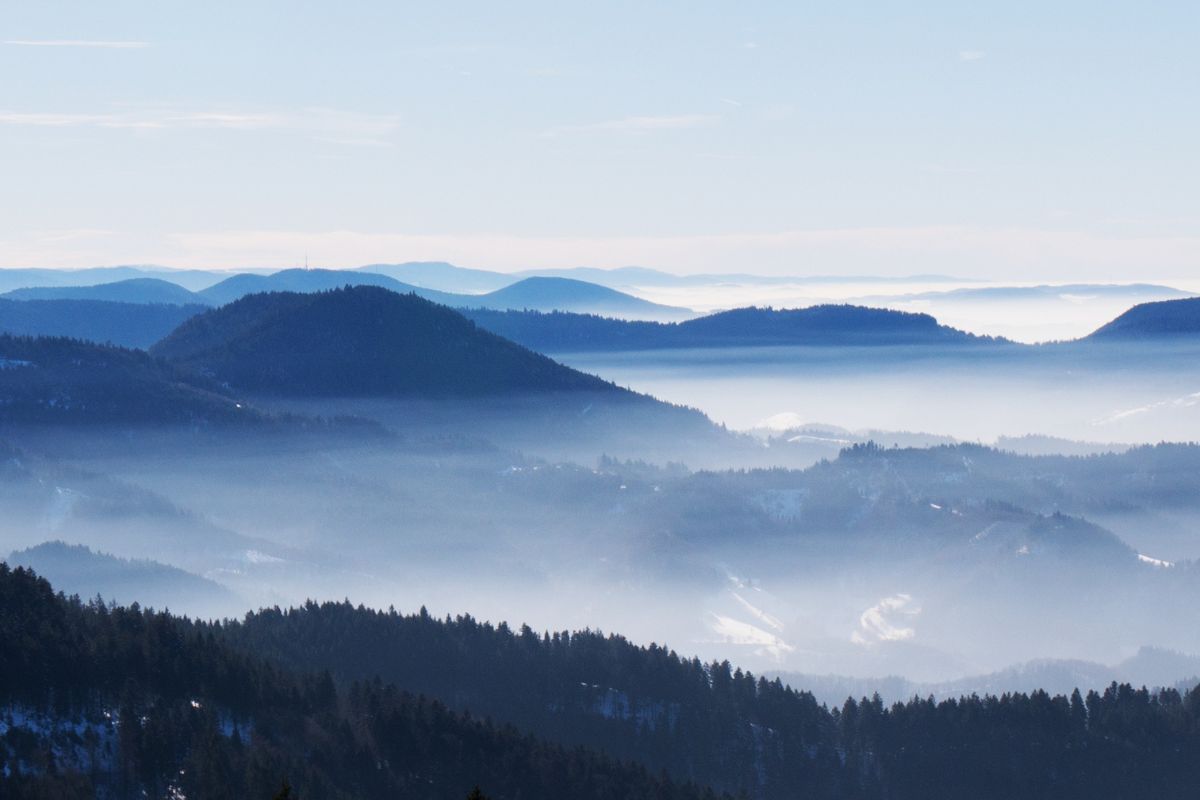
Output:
x=817 y=326
x=359 y=341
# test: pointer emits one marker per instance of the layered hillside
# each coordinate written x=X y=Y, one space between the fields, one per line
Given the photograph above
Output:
x=54 y=380
x=132 y=324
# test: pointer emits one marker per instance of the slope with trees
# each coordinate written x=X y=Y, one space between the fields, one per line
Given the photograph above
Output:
x=123 y=702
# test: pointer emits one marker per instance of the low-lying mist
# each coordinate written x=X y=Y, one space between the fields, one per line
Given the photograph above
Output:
x=933 y=564
x=1117 y=393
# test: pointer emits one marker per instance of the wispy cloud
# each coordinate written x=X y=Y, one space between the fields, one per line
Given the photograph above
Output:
x=879 y=623
x=1187 y=401
x=640 y=124
x=326 y=124
x=110 y=45
x=970 y=55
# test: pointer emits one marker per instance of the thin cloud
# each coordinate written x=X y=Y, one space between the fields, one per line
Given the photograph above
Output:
x=323 y=123
x=970 y=55
x=110 y=45
x=639 y=124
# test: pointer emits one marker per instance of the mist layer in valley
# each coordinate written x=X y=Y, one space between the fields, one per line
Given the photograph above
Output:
x=272 y=474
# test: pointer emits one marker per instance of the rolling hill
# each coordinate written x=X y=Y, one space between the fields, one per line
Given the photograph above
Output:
x=566 y=294
x=123 y=324
x=309 y=280
x=19 y=278
x=817 y=326
x=1161 y=320
x=359 y=341
x=134 y=290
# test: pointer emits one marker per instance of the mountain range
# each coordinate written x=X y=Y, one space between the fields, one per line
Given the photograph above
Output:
x=542 y=293
x=153 y=314
x=133 y=290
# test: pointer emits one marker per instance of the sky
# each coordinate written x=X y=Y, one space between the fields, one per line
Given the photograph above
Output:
x=1004 y=141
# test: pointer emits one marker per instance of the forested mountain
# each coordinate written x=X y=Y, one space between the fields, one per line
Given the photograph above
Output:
x=725 y=727
x=133 y=290
x=123 y=703
x=54 y=380
x=1161 y=320
x=123 y=324
x=816 y=326
x=360 y=341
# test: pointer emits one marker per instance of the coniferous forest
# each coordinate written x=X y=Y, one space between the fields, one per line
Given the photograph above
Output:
x=344 y=702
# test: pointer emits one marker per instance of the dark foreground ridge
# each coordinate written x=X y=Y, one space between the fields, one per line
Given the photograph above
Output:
x=126 y=700
x=127 y=703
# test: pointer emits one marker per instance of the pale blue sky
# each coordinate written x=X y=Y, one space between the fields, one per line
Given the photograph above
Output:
x=1004 y=140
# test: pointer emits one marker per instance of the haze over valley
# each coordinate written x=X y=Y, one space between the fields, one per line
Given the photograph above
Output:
x=648 y=402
